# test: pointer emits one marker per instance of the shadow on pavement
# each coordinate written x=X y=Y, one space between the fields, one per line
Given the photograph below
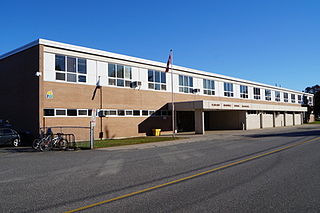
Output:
x=16 y=149
x=287 y=134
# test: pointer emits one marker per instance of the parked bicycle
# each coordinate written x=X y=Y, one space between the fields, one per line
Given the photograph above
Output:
x=49 y=142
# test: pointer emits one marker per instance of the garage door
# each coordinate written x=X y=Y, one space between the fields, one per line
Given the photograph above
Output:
x=253 y=121
x=267 y=120
x=279 y=120
x=289 y=119
x=297 y=119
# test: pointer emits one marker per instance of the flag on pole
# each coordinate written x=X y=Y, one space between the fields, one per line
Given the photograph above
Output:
x=169 y=61
x=98 y=86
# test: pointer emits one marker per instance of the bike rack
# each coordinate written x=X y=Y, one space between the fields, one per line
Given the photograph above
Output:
x=70 y=138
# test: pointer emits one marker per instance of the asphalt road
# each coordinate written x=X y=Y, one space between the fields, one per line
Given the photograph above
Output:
x=232 y=171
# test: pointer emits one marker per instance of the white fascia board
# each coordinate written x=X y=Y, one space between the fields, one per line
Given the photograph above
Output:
x=142 y=61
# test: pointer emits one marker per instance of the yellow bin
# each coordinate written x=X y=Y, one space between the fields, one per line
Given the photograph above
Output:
x=156 y=132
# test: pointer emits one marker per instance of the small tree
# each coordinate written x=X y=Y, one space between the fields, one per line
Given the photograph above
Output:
x=315 y=90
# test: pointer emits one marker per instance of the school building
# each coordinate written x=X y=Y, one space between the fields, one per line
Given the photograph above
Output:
x=51 y=84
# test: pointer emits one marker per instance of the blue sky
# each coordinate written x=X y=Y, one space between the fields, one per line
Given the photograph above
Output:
x=268 y=41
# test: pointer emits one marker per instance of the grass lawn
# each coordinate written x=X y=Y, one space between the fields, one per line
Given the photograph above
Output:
x=315 y=122
x=125 y=141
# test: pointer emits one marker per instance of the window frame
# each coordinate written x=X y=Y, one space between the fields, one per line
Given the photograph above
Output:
x=116 y=78
x=277 y=97
x=228 y=89
x=186 y=85
x=267 y=94
x=256 y=93
x=293 y=98
x=286 y=97
x=244 y=93
x=66 y=72
x=161 y=84
x=208 y=87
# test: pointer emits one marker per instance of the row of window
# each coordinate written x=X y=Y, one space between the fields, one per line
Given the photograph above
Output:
x=228 y=91
x=125 y=112
x=67 y=112
x=104 y=113
x=72 y=69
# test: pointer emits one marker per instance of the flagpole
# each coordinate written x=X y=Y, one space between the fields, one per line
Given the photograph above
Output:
x=172 y=97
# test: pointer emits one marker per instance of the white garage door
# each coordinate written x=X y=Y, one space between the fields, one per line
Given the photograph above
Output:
x=297 y=119
x=289 y=119
x=267 y=120
x=279 y=120
x=253 y=121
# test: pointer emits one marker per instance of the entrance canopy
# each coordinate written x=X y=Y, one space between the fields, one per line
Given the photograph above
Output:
x=222 y=105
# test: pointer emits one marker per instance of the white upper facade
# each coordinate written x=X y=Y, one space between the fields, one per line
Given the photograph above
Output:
x=83 y=65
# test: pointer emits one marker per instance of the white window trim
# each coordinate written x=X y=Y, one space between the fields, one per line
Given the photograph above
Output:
x=65 y=72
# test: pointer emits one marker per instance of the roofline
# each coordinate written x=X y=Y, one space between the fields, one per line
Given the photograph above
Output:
x=20 y=49
x=87 y=50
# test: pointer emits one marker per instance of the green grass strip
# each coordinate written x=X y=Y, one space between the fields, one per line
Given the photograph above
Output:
x=315 y=122
x=123 y=142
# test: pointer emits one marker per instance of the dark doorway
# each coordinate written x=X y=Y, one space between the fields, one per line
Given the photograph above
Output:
x=185 y=121
x=224 y=120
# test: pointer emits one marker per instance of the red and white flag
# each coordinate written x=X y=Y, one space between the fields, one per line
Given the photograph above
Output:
x=169 y=61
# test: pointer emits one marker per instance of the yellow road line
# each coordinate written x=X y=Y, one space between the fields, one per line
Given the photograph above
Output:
x=189 y=177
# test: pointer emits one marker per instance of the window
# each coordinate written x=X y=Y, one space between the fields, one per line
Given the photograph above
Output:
x=82 y=112
x=208 y=87
x=185 y=84
x=7 y=132
x=144 y=112
x=120 y=112
x=243 y=91
x=256 y=93
x=277 y=95
x=228 y=89
x=293 y=98
x=136 y=112
x=76 y=69
x=113 y=112
x=285 y=97
x=151 y=113
x=82 y=66
x=61 y=112
x=129 y=112
x=60 y=63
x=48 y=112
x=299 y=99
x=72 y=112
x=157 y=80
x=119 y=75
x=267 y=93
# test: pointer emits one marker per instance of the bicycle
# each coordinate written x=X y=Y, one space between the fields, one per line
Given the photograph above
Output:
x=36 y=143
x=50 y=143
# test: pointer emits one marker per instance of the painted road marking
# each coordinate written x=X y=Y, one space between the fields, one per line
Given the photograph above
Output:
x=189 y=177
